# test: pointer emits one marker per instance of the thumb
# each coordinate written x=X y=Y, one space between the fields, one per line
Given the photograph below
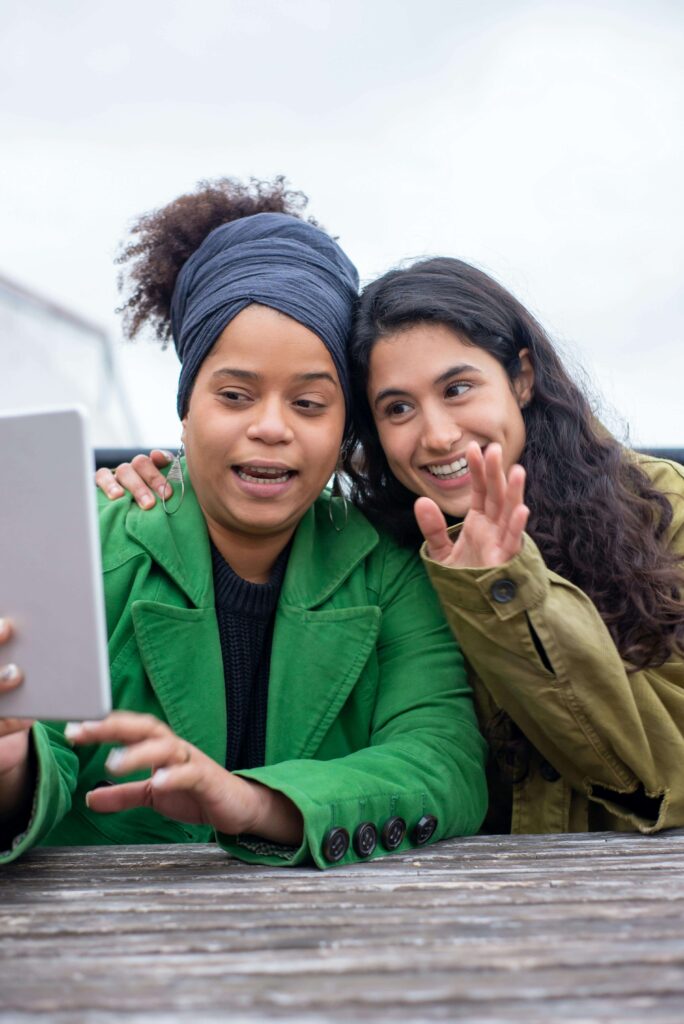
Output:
x=433 y=526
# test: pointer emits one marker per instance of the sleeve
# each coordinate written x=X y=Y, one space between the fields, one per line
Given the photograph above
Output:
x=56 y=775
x=56 y=763
x=422 y=767
x=541 y=649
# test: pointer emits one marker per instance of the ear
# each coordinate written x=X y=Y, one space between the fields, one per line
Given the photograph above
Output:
x=523 y=385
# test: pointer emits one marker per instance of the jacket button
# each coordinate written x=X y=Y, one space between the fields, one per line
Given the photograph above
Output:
x=393 y=831
x=548 y=772
x=424 y=829
x=503 y=591
x=365 y=838
x=335 y=844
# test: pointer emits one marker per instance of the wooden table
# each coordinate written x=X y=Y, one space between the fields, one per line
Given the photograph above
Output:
x=546 y=928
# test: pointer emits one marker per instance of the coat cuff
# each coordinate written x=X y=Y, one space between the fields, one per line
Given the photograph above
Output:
x=325 y=823
x=520 y=585
x=41 y=818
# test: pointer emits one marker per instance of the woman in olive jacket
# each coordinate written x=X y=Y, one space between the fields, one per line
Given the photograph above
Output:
x=573 y=630
x=356 y=734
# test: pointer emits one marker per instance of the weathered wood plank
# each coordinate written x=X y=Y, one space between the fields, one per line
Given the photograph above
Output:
x=583 y=928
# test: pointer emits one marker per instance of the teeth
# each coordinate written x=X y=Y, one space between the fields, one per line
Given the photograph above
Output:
x=267 y=475
x=457 y=468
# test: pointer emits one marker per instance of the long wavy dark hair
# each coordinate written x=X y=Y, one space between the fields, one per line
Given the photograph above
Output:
x=595 y=515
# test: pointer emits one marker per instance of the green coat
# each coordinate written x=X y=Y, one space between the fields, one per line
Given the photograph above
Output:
x=369 y=711
x=600 y=736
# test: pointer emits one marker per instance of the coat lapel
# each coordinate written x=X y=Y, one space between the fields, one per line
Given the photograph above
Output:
x=180 y=646
x=318 y=651
x=181 y=652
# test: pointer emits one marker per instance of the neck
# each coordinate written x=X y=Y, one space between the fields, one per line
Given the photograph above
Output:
x=250 y=556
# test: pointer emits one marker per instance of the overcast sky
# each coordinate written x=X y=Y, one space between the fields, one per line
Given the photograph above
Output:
x=540 y=140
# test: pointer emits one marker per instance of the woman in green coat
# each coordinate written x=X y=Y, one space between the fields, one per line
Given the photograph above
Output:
x=284 y=680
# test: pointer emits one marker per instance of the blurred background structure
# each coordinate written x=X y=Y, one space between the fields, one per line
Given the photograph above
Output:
x=540 y=139
x=51 y=356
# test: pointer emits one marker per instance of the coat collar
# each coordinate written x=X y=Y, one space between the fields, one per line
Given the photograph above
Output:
x=322 y=556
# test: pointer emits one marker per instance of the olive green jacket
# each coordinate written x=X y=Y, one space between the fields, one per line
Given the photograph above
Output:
x=602 y=740
x=370 y=715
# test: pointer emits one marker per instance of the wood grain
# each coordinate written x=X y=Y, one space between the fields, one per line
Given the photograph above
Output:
x=527 y=928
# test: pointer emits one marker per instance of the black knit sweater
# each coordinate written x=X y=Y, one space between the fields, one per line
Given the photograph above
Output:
x=246 y=612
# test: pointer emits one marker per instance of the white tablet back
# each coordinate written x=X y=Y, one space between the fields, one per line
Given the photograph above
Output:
x=50 y=571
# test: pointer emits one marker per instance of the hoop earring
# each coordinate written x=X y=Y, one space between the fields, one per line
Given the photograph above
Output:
x=336 y=492
x=174 y=476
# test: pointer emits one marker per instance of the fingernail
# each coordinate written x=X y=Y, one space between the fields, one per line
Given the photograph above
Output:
x=167 y=455
x=9 y=673
x=165 y=491
x=4 y=625
x=146 y=501
x=72 y=730
x=115 y=491
x=160 y=777
x=87 y=800
x=115 y=759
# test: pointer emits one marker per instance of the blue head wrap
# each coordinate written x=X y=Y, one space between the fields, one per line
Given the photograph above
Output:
x=271 y=259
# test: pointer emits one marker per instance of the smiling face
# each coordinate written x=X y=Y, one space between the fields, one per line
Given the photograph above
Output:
x=263 y=429
x=432 y=392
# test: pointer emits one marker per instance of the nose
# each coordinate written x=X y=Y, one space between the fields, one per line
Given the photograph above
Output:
x=440 y=431
x=270 y=422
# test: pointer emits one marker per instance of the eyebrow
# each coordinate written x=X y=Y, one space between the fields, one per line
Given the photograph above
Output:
x=453 y=371
x=231 y=371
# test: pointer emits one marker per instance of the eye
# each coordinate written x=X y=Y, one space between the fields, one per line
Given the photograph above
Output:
x=234 y=397
x=310 y=405
x=458 y=388
x=398 y=409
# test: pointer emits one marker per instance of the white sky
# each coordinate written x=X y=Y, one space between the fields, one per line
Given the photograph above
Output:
x=540 y=140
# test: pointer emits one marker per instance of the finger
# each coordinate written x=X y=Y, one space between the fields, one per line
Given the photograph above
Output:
x=185 y=777
x=120 y=727
x=106 y=481
x=110 y=799
x=478 y=484
x=432 y=525
x=495 y=482
x=151 y=754
x=161 y=457
x=11 y=676
x=514 y=496
x=149 y=473
x=12 y=725
x=512 y=541
x=132 y=482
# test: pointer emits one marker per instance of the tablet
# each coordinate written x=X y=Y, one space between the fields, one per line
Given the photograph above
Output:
x=50 y=569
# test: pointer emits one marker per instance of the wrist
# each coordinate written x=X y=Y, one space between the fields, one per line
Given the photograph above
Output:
x=17 y=786
x=273 y=815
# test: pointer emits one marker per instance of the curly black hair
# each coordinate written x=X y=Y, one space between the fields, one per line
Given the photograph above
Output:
x=164 y=239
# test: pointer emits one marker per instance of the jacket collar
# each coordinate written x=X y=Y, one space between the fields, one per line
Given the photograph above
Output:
x=322 y=556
